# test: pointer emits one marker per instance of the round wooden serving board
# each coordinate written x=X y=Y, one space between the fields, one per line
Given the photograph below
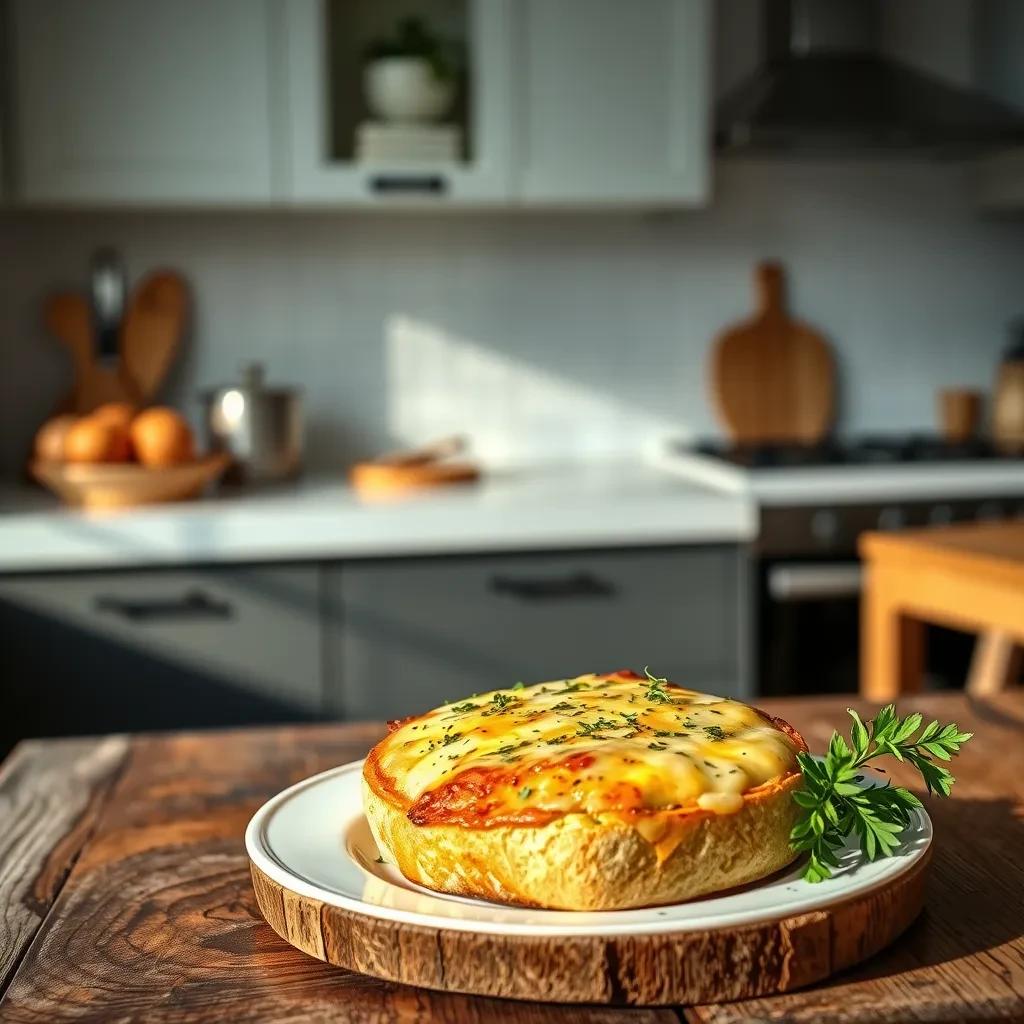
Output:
x=683 y=967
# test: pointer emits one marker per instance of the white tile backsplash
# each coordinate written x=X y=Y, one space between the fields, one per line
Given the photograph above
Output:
x=545 y=332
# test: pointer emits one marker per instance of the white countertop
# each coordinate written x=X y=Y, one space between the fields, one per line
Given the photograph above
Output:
x=616 y=504
x=832 y=485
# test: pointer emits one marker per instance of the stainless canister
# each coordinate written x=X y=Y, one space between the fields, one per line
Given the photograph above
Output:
x=261 y=427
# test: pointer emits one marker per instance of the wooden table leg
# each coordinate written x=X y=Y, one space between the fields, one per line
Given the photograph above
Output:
x=891 y=642
x=995 y=665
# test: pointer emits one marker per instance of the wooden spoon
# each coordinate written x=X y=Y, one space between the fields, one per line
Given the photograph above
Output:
x=152 y=330
x=69 y=318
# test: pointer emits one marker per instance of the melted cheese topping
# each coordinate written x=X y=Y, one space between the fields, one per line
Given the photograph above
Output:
x=620 y=745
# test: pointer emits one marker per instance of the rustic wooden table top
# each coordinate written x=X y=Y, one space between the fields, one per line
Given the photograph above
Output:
x=986 y=548
x=125 y=891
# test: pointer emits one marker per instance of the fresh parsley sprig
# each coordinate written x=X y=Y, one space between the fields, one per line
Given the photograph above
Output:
x=656 y=690
x=833 y=804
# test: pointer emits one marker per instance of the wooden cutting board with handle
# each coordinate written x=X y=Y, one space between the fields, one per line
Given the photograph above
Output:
x=773 y=377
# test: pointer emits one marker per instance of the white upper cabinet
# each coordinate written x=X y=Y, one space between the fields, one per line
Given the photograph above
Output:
x=132 y=101
x=613 y=101
x=248 y=102
x=326 y=43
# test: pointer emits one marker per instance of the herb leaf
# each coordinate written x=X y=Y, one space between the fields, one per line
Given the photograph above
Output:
x=589 y=728
x=833 y=805
x=499 y=702
x=656 y=690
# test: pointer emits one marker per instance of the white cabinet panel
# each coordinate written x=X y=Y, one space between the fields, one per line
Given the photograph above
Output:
x=317 y=175
x=613 y=101
x=138 y=102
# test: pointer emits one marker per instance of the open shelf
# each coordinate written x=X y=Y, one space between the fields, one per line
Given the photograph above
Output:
x=352 y=26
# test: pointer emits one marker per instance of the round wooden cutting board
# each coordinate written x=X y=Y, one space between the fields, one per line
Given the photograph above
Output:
x=322 y=886
x=661 y=969
x=773 y=378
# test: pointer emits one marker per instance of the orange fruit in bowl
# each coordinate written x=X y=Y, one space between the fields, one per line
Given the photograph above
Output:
x=120 y=414
x=50 y=438
x=162 y=437
x=95 y=440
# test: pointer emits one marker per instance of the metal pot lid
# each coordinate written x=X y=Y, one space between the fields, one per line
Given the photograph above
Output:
x=251 y=385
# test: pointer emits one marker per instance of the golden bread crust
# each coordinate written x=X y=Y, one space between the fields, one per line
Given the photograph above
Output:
x=577 y=863
x=590 y=860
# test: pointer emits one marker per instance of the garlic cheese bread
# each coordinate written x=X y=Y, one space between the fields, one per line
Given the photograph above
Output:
x=596 y=793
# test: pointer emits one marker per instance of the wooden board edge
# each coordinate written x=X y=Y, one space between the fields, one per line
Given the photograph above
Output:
x=681 y=968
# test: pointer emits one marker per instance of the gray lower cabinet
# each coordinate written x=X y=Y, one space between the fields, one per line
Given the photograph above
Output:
x=404 y=636
x=187 y=648
x=161 y=649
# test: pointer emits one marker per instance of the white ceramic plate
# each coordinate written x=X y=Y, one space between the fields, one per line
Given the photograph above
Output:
x=314 y=840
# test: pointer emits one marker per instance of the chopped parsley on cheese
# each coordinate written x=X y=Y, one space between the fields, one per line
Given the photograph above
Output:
x=618 y=744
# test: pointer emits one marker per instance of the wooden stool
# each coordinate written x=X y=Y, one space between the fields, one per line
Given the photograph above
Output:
x=970 y=577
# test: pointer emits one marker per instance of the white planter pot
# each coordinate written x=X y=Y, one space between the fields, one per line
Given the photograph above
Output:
x=406 y=90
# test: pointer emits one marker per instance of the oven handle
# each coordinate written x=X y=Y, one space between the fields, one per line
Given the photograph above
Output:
x=796 y=581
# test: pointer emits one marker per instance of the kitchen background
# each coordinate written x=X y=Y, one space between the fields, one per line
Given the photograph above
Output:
x=556 y=333
x=556 y=307
x=518 y=327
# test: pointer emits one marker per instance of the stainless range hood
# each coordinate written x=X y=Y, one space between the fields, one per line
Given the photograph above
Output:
x=824 y=88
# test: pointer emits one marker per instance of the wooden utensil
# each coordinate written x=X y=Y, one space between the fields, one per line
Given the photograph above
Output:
x=1008 y=402
x=433 y=452
x=413 y=468
x=153 y=327
x=773 y=377
x=959 y=412
x=121 y=485
x=69 y=318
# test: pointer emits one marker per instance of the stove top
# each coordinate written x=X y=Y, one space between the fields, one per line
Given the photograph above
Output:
x=867 y=450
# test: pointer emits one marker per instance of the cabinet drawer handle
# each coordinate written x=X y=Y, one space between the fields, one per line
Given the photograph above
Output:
x=409 y=184
x=193 y=604
x=581 y=584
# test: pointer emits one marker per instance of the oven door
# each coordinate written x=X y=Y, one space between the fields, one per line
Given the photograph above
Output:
x=809 y=632
x=808 y=626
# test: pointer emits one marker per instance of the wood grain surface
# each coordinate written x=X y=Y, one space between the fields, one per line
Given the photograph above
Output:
x=685 y=967
x=156 y=919
x=50 y=796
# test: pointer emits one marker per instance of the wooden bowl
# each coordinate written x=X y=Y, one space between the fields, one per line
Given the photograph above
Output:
x=123 y=484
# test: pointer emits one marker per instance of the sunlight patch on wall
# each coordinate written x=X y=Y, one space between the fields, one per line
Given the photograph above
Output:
x=439 y=383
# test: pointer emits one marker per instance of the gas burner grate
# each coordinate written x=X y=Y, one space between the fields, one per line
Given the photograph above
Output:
x=866 y=450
